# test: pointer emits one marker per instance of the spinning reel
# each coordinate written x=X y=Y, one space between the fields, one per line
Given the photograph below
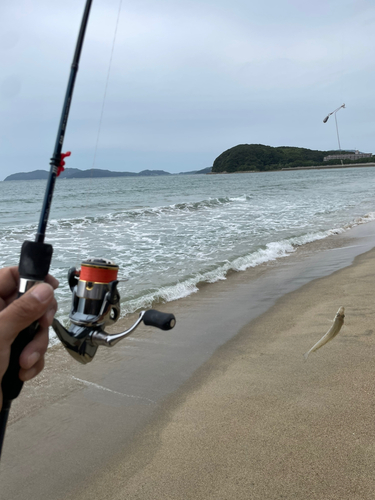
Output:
x=95 y=305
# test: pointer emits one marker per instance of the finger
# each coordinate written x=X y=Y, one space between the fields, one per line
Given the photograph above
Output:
x=52 y=281
x=22 y=312
x=46 y=320
x=26 y=375
x=34 y=350
x=9 y=299
x=9 y=278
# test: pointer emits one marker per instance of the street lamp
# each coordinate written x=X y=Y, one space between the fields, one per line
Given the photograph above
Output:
x=337 y=130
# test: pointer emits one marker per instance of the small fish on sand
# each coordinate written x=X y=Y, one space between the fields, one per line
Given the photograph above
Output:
x=332 y=332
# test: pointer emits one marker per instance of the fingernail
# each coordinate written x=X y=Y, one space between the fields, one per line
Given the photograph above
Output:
x=42 y=292
x=33 y=359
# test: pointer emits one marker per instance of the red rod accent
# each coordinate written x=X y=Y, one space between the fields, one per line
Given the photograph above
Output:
x=61 y=168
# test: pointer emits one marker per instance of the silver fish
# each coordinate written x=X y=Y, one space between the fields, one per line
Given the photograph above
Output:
x=332 y=332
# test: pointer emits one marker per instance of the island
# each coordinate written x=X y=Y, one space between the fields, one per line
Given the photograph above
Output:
x=76 y=173
x=260 y=158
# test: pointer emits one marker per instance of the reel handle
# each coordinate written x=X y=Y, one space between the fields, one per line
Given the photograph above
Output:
x=33 y=268
x=82 y=341
x=164 y=321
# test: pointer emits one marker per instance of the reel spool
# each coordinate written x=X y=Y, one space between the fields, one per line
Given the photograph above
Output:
x=96 y=304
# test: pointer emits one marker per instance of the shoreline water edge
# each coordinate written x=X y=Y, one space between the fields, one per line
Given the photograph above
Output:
x=223 y=406
x=286 y=169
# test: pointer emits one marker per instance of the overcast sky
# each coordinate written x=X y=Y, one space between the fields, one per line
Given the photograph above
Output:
x=188 y=80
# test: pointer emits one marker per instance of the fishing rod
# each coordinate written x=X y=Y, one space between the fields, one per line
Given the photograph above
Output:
x=95 y=301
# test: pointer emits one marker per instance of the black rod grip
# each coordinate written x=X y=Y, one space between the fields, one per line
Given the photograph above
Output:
x=164 y=321
x=34 y=266
x=35 y=260
x=11 y=385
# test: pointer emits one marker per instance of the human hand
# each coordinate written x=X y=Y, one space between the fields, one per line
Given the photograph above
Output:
x=15 y=315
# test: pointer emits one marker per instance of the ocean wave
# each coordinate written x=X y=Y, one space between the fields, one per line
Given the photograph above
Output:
x=369 y=217
x=190 y=285
x=210 y=203
x=72 y=223
x=271 y=252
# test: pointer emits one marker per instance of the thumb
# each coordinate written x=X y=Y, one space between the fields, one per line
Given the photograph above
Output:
x=22 y=312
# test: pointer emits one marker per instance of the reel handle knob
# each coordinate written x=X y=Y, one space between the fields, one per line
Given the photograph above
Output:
x=33 y=267
x=164 y=321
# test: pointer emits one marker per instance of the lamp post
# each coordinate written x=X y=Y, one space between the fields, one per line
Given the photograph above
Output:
x=337 y=129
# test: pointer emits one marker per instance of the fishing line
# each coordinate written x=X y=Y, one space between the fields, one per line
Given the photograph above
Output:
x=88 y=193
x=106 y=83
x=89 y=190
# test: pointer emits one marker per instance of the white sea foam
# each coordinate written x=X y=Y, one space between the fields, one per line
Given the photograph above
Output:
x=272 y=251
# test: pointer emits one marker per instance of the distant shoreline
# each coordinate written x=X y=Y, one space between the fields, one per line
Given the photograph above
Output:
x=289 y=169
x=323 y=167
x=94 y=173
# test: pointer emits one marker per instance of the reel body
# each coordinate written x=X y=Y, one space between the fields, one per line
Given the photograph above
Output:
x=95 y=305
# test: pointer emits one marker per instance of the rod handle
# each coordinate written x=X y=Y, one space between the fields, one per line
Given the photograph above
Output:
x=11 y=385
x=164 y=321
x=33 y=267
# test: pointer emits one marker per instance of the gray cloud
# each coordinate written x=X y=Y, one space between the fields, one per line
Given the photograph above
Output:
x=187 y=81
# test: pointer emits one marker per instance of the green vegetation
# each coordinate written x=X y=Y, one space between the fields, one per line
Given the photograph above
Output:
x=260 y=158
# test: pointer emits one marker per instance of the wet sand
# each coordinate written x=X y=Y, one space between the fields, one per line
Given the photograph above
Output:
x=242 y=418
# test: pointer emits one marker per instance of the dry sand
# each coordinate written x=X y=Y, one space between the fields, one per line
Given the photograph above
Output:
x=256 y=421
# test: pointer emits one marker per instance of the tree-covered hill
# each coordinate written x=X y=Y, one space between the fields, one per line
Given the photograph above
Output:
x=258 y=157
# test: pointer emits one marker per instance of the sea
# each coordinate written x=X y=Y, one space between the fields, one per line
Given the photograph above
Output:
x=169 y=234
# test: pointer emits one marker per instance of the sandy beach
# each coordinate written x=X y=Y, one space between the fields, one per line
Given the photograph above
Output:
x=251 y=421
